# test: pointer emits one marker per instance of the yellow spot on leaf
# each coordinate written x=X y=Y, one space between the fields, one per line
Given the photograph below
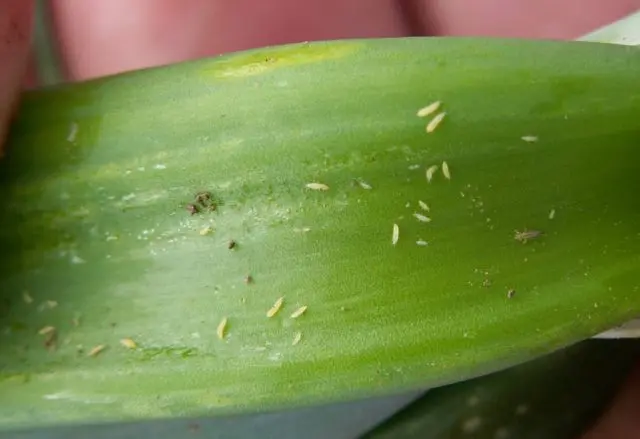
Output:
x=206 y=231
x=46 y=330
x=128 y=343
x=96 y=350
x=259 y=61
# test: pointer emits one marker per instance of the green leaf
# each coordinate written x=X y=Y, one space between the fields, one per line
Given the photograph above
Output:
x=557 y=396
x=345 y=420
x=97 y=177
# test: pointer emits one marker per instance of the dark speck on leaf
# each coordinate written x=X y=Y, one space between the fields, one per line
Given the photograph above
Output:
x=192 y=209
x=203 y=197
x=51 y=341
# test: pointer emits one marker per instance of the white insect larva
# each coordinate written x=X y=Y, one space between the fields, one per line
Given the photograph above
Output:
x=445 y=171
x=431 y=170
x=530 y=139
x=472 y=425
x=395 y=235
x=526 y=235
x=96 y=350
x=422 y=243
x=317 y=186
x=26 y=297
x=46 y=330
x=222 y=328
x=128 y=343
x=437 y=120
x=364 y=185
x=298 y=312
x=422 y=218
x=75 y=259
x=552 y=214
x=275 y=307
x=423 y=205
x=429 y=109
x=206 y=231
x=296 y=338
x=73 y=131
